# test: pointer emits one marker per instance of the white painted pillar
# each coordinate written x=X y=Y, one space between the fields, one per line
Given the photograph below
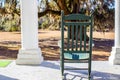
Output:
x=115 y=54
x=29 y=53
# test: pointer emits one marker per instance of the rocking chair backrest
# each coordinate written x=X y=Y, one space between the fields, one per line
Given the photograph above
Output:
x=74 y=39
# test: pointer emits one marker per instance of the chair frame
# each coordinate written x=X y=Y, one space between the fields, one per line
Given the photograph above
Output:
x=65 y=21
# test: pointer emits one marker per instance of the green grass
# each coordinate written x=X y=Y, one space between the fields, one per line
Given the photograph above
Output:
x=4 y=63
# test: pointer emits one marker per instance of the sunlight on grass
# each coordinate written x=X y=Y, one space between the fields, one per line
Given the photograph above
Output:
x=4 y=63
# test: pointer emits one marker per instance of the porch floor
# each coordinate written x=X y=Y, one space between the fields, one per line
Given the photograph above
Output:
x=50 y=70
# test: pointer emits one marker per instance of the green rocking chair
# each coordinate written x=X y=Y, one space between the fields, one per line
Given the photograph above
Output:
x=75 y=45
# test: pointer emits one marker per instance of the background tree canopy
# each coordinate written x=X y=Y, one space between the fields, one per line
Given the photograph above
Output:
x=103 y=10
x=50 y=10
x=9 y=15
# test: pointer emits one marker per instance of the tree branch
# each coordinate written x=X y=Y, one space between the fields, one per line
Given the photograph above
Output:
x=63 y=6
x=40 y=14
x=57 y=4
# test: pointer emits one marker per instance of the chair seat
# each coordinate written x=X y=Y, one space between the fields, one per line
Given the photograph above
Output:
x=76 y=56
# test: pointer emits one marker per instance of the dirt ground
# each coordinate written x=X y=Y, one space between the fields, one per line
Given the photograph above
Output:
x=10 y=44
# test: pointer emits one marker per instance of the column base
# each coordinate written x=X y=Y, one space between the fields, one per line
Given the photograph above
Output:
x=114 y=58
x=29 y=57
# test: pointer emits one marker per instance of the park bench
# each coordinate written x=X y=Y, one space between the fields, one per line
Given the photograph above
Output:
x=74 y=46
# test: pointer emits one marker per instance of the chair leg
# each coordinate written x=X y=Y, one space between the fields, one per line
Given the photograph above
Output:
x=89 y=71
x=89 y=75
x=62 y=66
x=62 y=69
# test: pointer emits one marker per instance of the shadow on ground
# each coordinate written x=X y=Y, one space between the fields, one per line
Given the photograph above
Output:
x=51 y=51
x=102 y=48
x=81 y=74
x=49 y=48
x=96 y=75
x=2 y=77
x=103 y=44
x=8 y=52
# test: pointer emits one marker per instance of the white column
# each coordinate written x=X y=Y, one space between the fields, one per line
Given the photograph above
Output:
x=115 y=54
x=29 y=53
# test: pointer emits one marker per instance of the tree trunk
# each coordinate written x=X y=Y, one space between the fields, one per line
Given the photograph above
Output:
x=62 y=5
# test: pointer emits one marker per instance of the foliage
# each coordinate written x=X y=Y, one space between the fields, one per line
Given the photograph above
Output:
x=44 y=24
x=10 y=26
x=10 y=16
x=54 y=22
x=102 y=10
x=49 y=22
